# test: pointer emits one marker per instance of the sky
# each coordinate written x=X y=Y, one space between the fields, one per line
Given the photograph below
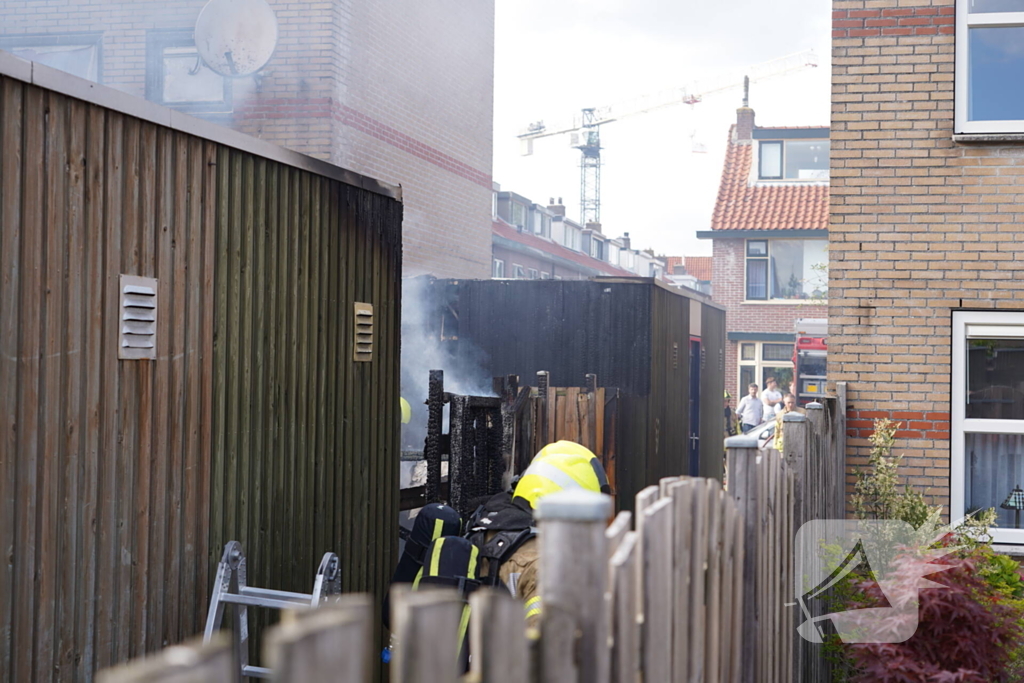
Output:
x=554 y=57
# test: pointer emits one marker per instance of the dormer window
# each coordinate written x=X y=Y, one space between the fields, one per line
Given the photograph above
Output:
x=793 y=159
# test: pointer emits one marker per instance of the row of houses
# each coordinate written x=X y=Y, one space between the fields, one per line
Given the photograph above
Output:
x=539 y=242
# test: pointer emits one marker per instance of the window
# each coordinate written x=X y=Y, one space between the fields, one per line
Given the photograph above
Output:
x=545 y=276
x=793 y=159
x=572 y=238
x=176 y=76
x=79 y=54
x=541 y=224
x=786 y=269
x=518 y=215
x=517 y=271
x=533 y=273
x=497 y=268
x=987 y=416
x=597 y=249
x=761 y=360
x=989 y=66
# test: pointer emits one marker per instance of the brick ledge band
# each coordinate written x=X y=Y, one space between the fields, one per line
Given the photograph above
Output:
x=322 y=107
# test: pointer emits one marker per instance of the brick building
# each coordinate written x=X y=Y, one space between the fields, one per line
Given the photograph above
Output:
x=769 y=233
x=536 y=242
x=399 y=90
x=926 y=319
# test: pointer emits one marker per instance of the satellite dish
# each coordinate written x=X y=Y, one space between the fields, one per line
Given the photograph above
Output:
x=236 y=38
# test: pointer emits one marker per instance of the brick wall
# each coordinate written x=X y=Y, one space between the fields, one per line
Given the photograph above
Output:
x=920 y=225
x=727 y=287
x=401 y=91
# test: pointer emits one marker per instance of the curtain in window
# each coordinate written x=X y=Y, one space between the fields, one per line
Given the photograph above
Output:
x=995 y=465
x=757 y=279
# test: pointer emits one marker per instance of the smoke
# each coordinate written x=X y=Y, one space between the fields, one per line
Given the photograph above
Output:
x=428 y=344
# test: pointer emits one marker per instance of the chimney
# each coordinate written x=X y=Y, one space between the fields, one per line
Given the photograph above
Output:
x=596 y=227
x=744 y=124
x=625 y=241
x=557 y=209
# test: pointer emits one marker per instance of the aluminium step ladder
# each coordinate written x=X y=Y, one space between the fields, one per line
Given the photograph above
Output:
x=231 y=588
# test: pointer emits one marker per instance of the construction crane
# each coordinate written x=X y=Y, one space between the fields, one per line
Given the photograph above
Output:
x=585 y=127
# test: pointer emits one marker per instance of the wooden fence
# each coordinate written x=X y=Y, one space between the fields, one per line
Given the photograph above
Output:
x=692 y=587
x=776 y=494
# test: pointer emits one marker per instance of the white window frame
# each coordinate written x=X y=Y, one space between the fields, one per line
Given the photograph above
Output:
x=759 y=365
x=532 y=274
x=965 y=21
x=769 y=300
x=518 y=272
x=997 y=324
x=781 y=178
x=497 y=268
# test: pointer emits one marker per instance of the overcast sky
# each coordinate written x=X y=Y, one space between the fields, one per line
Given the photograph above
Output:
x=554 y=57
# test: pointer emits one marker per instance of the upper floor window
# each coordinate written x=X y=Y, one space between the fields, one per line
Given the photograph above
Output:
x=786 y=269
x=497 y=268
x=79 y=54
x=518 y=215
x=795 y=159
x=518 y=272
x=177 y=77
x=533 y=273
x=989 y=66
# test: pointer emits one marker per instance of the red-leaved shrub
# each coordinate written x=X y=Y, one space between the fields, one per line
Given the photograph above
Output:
x=966 y=631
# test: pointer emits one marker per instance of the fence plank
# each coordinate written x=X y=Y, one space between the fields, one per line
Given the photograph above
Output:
x=698 y=558
x=713 y=597
x=625 y=635
x=657 y=583
x=681 y=493
x=573 y=577
x=188 y=663
x=497 y=638
x=425 y=624
x=617 y=530
x=725 y=583
x=329 y=644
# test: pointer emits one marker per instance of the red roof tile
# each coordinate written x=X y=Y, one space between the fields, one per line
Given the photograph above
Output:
x=766 y=206
x=503 y=229
x=699 y=267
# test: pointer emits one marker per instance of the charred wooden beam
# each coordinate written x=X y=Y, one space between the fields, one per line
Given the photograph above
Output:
x=432 y=446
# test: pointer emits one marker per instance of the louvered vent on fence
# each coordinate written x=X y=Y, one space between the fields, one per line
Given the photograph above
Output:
x=363 y=347
x=137 y=322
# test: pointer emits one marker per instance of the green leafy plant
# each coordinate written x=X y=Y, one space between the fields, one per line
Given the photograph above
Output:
x=878 y=493
x=971 y=629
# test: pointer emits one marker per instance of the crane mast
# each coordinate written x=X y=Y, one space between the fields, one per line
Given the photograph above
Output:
x=585 y=127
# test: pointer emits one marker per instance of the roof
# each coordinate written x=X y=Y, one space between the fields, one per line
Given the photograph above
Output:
x=765 y=206
x=699 y=267
x=503 y=229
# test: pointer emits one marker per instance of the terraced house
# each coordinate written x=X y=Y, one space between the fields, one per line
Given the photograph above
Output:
x=770 y=235
x=925 y=298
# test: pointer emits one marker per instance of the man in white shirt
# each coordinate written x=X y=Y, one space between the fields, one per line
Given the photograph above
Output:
x=772 y=397
x=750 y=410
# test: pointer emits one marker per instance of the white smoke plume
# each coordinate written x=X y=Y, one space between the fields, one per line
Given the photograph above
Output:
x=423 y=350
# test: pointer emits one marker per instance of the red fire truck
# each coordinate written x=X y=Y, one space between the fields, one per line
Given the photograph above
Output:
x=809 y=359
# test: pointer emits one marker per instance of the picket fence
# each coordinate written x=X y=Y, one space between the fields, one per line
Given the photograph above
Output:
x=691 y=587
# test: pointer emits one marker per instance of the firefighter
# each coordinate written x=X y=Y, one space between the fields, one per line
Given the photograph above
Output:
x=503 y=527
